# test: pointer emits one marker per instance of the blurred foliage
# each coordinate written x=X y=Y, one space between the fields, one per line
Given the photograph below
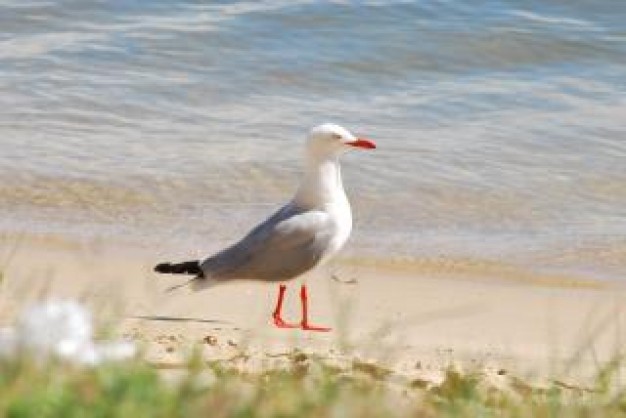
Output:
x=306 y=387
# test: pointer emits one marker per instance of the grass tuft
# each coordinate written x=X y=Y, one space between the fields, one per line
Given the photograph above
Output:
x=308 y=387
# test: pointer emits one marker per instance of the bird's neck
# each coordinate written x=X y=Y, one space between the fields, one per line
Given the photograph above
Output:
x=322 y=182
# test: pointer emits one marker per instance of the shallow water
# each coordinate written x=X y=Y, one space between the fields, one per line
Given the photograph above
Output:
x=500 y=124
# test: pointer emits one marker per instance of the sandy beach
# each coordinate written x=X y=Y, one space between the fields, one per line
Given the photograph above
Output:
x=415 y=317
x=477 y=257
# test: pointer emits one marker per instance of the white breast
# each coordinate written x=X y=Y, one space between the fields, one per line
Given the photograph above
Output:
x=322 y=189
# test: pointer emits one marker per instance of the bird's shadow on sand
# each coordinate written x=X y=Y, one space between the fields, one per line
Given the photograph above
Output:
x=179 y=319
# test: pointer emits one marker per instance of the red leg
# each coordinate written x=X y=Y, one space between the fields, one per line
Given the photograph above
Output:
x=305 y=313
x=278 y=320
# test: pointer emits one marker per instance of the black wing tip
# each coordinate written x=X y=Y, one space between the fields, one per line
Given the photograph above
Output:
x=163 y=267
x=188 y=267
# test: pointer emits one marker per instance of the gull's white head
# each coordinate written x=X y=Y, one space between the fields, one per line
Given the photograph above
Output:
x=331 y=139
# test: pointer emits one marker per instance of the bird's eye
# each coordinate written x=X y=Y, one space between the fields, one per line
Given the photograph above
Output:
x=336 y=136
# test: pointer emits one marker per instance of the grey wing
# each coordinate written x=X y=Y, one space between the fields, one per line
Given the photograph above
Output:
x=286 y=245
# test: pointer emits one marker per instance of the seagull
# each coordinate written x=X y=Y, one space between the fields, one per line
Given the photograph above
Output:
x=306 y=232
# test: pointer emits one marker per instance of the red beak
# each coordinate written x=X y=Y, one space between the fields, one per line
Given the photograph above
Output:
x=362 y=143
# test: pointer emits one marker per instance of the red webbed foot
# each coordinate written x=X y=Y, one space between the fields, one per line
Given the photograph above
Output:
x=279 y=323
x=309 y=327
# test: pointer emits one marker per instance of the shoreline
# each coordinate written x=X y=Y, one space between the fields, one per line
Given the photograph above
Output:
x=454 y=266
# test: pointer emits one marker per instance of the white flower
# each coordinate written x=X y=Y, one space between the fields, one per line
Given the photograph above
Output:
x=61 y=329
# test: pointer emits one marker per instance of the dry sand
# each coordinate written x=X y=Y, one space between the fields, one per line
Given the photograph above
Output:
x=416 y=317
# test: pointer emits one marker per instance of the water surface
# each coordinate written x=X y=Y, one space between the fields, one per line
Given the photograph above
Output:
x=500 y=124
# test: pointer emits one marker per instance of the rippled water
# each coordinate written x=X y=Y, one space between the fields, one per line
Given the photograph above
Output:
x=501 y=125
